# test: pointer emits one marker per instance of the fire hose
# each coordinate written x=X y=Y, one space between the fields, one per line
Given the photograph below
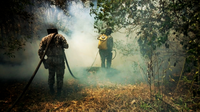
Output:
x=97 y=54
x=68 y=66
x=115 y=54
x=38 y=66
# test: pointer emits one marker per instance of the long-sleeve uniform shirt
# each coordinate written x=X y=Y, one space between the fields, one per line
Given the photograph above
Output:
x=55 y=47
x=55 y=51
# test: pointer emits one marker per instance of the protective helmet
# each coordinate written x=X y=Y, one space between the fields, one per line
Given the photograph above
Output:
x=52 y=30
x=108 y=31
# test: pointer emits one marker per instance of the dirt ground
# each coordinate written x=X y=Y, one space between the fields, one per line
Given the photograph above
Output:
x=83 y=97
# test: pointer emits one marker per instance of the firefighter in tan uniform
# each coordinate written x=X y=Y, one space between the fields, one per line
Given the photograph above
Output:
x=55 y=58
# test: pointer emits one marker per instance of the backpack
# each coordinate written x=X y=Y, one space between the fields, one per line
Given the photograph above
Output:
x=103 y=42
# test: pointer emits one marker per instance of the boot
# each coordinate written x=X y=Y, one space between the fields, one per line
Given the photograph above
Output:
x=58 y=92
x=52 y=92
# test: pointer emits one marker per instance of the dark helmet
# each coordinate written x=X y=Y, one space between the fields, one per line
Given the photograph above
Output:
x=52 y=30
x=108 y=31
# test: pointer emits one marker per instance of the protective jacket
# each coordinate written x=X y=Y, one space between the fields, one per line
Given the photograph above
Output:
x=55 y=50
x=55 y=47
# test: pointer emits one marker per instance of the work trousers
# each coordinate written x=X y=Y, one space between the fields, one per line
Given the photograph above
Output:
x=58 y=71
x=106 y=55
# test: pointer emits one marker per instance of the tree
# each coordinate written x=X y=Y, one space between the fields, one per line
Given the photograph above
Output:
x=160 y=22
x=16 y=22
x=15 y=25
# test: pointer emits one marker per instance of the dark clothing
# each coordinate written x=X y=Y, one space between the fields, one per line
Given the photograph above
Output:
x=55 y=47
x=57 y=70
x=106 y=55
x=55 y=59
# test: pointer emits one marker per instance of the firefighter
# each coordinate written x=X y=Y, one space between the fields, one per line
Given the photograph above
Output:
x=55 y=58
x=106 y=54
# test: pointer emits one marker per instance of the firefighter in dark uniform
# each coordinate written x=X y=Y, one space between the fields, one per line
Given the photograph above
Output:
x=106 y=54
x=55 y=58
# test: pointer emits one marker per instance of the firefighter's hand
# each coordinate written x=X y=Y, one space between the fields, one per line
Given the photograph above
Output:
x=40 y=53
x=40 y=56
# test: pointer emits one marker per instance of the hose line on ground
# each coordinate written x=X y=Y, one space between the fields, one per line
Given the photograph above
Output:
x=96 y=58
x=29 y=82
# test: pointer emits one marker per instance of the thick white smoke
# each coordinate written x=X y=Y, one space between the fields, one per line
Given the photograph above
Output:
x=82 y=48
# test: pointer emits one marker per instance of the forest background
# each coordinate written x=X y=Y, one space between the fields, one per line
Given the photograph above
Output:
x=160 y=38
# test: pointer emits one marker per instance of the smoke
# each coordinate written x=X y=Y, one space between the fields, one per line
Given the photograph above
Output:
x=82 y=39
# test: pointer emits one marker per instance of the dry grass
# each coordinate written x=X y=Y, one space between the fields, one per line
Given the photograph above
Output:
x=80 y=97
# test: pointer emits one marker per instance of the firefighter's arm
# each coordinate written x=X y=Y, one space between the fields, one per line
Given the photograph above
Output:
x=111 y=42
x=64 y=43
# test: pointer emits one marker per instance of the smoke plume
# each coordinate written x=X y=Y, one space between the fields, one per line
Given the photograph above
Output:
x=82 y=39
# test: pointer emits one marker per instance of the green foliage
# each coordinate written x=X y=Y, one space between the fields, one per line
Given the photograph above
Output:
x=156 y=21
x=154 y=26
x=113 y=13
x=186 y=80
x=146 y=106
